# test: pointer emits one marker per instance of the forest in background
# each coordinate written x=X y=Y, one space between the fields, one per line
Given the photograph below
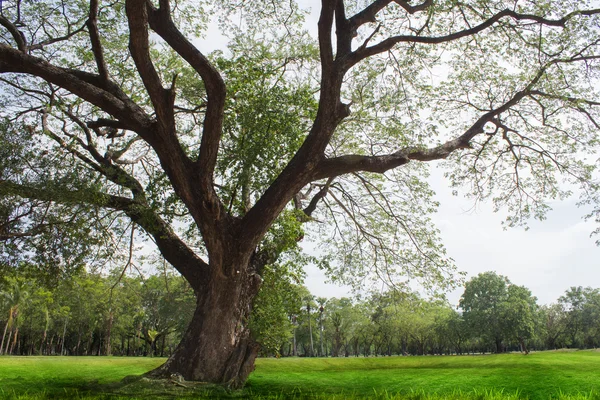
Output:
x=122 y=315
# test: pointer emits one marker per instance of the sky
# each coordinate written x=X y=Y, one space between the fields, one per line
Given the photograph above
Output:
x=550 y=257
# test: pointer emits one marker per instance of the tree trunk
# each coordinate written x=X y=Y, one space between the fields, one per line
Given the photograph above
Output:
x=78 y=342
x=312 y=347
x=217 y=346
x=8 y=341
x=3 y=336
x=295 y=352
x=43 y=342
x=62 y=347
x=499 y=348
x=108 y=333
x=523 y=346
x=12 y=347
x=321 y=332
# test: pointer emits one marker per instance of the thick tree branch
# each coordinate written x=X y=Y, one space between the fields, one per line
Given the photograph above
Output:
x=16 y=34
x=368 y=14
x=414 y=9
x=312 y=206
x=109 y=123
x=343 y=31
x=354 y=163
x=161 y=22
x=574 y=100
x=139 y=46
x=92 y=24
x=300 y=169
x=60 y=195
x=325 y=25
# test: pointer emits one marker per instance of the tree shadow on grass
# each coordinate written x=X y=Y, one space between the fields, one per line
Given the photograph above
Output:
x=143 y=387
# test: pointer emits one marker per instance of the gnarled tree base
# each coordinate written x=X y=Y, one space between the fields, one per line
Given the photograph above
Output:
x=233 y=373
x=217 y=347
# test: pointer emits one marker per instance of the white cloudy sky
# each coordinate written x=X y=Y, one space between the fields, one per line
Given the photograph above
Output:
x=548 y=258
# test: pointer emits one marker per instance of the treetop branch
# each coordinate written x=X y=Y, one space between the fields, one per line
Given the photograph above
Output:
x=314 y=202
x=15 y=32
x=160 y=21
x=390 y=42
x=139 y=46
x=333 y=167
x=325 y=25
x=92 y=24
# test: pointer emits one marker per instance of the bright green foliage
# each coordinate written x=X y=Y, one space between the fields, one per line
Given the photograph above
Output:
x=498 y=310
x=552 y=325
x=582 y=307
x=268 y=113
x=280 y=298
x=518 y=314
x=95 y=315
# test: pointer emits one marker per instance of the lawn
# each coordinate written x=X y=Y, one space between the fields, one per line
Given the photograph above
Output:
x=536 y=376
x=544 y=375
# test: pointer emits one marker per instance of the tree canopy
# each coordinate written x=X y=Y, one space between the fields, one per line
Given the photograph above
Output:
x=114 y=119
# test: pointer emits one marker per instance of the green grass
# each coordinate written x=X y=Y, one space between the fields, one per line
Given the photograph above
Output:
x=544 y=375
x=536 y=376
x=57 y=376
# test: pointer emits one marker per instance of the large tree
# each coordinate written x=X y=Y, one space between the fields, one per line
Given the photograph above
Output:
x=221 y=158
x=483 y=303
x=498 y=310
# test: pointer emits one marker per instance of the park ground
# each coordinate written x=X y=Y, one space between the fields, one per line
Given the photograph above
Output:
x=564 y=375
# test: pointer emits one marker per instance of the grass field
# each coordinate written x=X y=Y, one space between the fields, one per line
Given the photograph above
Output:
x=544 y=375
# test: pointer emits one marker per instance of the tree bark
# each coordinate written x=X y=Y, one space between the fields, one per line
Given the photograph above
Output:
x=43 y=342
x=523 y=346
x=108 y=333
x=217 y=346
x=499 y=347
x=3 y=336
x=62 y=346
x=8 y=342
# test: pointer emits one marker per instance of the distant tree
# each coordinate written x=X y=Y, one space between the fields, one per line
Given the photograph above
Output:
x=341 y=326
x=553 y=325
x=518 y=315
x=15 y=297
x=481 y=303
x=582 y=306
x=573 y=302
x=456 y=331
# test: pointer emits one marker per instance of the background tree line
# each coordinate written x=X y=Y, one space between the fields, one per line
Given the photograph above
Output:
x=116 y=314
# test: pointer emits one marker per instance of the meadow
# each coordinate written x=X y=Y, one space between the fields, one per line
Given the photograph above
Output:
x=567 y=375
